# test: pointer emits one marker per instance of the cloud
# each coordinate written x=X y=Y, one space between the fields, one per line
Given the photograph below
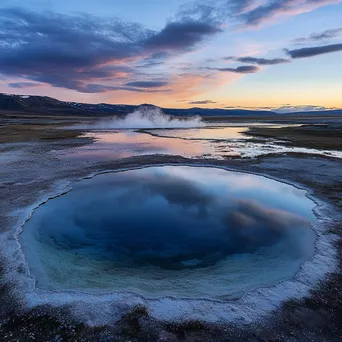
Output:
x=249 y=12
x=327 y=34
x=245 y=69
x=241 y=6
x=146 y=84
x=249 y=214
x=150 y=64
x=181 y=35
x=262 y=61
x=20 y=85
x=314 y=51
x=101 y=88
x=267 y=10
x=258 y=61
x=87 y=53
x=182 y=86
x=215 y=11
x=196 y=10
x=65 y=51
x=270 y=9
x=202 y=102
x=155 y=59
x=181 y=191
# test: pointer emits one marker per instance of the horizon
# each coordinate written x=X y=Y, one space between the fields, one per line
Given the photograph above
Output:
x=248 y=55
x=281 y=110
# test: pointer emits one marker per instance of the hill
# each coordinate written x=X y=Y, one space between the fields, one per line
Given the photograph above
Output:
x=43 y=105
x=51 y=106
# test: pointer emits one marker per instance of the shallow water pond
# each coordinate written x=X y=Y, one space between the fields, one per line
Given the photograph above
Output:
x=187 y=232
x=205 y=142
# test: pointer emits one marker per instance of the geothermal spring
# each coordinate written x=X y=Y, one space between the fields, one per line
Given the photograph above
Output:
x=187 y=241
x=170 y=231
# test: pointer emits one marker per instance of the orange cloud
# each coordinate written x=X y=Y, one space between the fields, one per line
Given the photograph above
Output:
x=184 y=86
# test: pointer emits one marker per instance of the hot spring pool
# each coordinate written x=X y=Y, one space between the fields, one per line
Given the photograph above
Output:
x=185 y=232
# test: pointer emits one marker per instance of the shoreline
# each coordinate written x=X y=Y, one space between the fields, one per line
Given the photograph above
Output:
x=110 y=296
x=271 y=166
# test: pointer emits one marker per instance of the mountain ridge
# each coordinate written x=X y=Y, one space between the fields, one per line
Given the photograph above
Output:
x=48 y=105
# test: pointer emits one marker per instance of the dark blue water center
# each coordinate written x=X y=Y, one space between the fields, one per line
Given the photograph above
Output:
x=167 y=218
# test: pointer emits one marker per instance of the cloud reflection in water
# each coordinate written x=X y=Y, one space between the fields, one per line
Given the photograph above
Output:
x=139 y=229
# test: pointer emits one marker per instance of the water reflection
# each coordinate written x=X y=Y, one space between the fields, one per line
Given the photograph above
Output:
x=218 y=143
x=122 y=144
x=140 y=229
x=213 y=133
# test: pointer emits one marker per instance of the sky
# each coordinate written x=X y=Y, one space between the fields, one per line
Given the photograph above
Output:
x=282 y=55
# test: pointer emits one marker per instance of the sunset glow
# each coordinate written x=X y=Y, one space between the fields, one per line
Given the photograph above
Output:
x=180 y=54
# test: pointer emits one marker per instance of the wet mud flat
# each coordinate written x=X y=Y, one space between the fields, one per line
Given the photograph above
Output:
x=24 y=179
x=320 y=136
x=23 y=130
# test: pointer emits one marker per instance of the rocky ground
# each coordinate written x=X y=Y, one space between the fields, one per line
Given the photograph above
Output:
x=28 y=169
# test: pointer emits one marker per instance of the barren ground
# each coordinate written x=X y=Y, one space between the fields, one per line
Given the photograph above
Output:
x=28 y=170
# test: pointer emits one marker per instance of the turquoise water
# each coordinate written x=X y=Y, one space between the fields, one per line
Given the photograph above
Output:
x=170 y=231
